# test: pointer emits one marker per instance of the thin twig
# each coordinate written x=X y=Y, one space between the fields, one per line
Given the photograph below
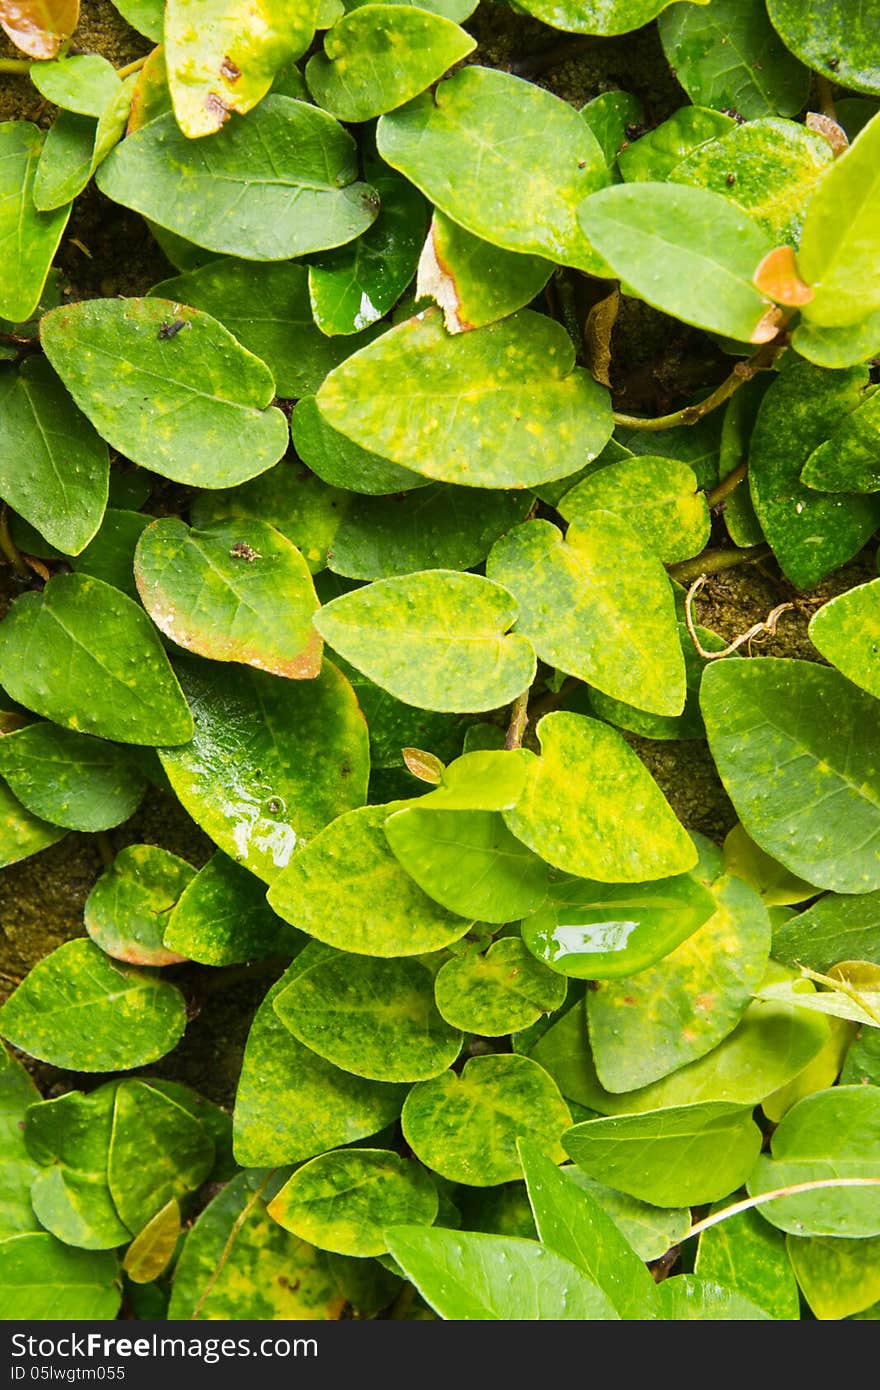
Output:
x=815 y=1185
x=553 y=699
x=728 y=485
x=519 y=719
x=230 y=1241
x=766 y=628
x=132 y=67
x=714 y=561
x=691 y=414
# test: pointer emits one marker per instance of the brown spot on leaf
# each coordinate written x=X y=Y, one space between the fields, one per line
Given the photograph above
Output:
x=242 y=551
x=230 y=70
x=216 y=108
x=704 y=1002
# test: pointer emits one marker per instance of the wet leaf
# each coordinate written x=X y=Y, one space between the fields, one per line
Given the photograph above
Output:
x=209 y=422
x=80 y=1010
x=294 y=162
x=832 y=1134
x=690 y=1298
x=70 y=1140
x=597 y=931
x=469 y=862
x=222 y=918
x=686 y=251
x=749 y=1257
x=729 y=55
x=835 y=928
x=681 y=1156
x=465 y=1127
x=438 y=639
x=838 y=251
x=28 y=238
x=483 y=136
x=837 y=1277
x=158 y=1152
x=591 y=808
x=83 y=655
x=342 y=463
x=499 y=992
x=474 y=282
x=127 y=911
x=216 y=592
x=521 y=412
x=248 y=778
x=782 y=733
x=832 y=39
x=238 y=1263
x=657 y=154
x=657 y=496
x=347 y=889
x=39 y=27
x=375 y=1018
x=484 y=1278
x=847 y=460
x=222 y=59
x=345 y=1201
x=292 y=1104
x=69 y=779
x=42 y=1279
x=109 y=555
x=650 y=1230
x=379 y=56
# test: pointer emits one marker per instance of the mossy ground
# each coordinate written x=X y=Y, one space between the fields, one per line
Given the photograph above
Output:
x=109 y=251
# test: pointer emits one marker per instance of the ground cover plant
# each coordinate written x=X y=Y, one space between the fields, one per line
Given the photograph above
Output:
x=374 y=540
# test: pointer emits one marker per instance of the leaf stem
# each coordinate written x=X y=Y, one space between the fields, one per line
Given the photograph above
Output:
x=714 y=561
x=105 y=848
x=16 y=67
x=8 y=547
x=519 y=719
x=728 y=485
x=815 y=1185
x=553 y=699
x=825 y=94
x=132 y=67
x=691 y=414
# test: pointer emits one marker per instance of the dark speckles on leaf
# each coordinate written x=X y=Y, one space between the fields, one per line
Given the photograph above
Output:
x=230 y=70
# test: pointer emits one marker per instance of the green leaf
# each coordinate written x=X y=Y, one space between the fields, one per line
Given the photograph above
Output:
x=837 y=1277
x=70 y=1139
x=846 y=632
x=357 y=284
x=43 y=1280
x=380 y=56
x=647 y=1025
x=573 y=1224
x=342 y=463
x=88 y=658
x=655 y=156
x=747 y=1256
x=438 y=639
x=597 y=604
x=127 y=911
x=80 y=1010
x=271 y=762
x=690 y=1298
x=729 y=55
x=77 y=145
x=22 y=833
x=810 y=533
x=832 y=1134
x=835 y=928
x=465 y=1127
x=158 y=1152
x=688 y=724
x=773 y=882
x=603 y=17
x=657 y=496
x=54 y=466
x=847 y=460
x=482 y=137
x=768 y=168
x=600 y=931
x=70 y=779
x=292 y=1104
x=17 y=1168
x=28 y=238
x=344 y=1201
x=110 y=554
x=838 y=347
x=831 y=38
x=469 y=862
x=686 y=251
x=483 y=1278
x=782 y=734
x=209 y=423
x=474 y=282
x=375 y=1018
x=84 y=83
x=609 y=116
x=150 y=1253
x=491 y=779
x=651 y=1231
x=496 y=993
x=435 y=527
x=222 y=918
x=590 y=807
x=222 y=59
x=503 y=406
x=348 y=890
x=237 y=1263
x=267 y=308
x=216 y=592
x=856 y=999
x=295 y=163
x=682 y=1156
x=838 y=252
x=144 y=15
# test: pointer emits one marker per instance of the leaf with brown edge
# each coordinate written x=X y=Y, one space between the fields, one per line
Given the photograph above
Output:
x=39 y=27
x=778 y=277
